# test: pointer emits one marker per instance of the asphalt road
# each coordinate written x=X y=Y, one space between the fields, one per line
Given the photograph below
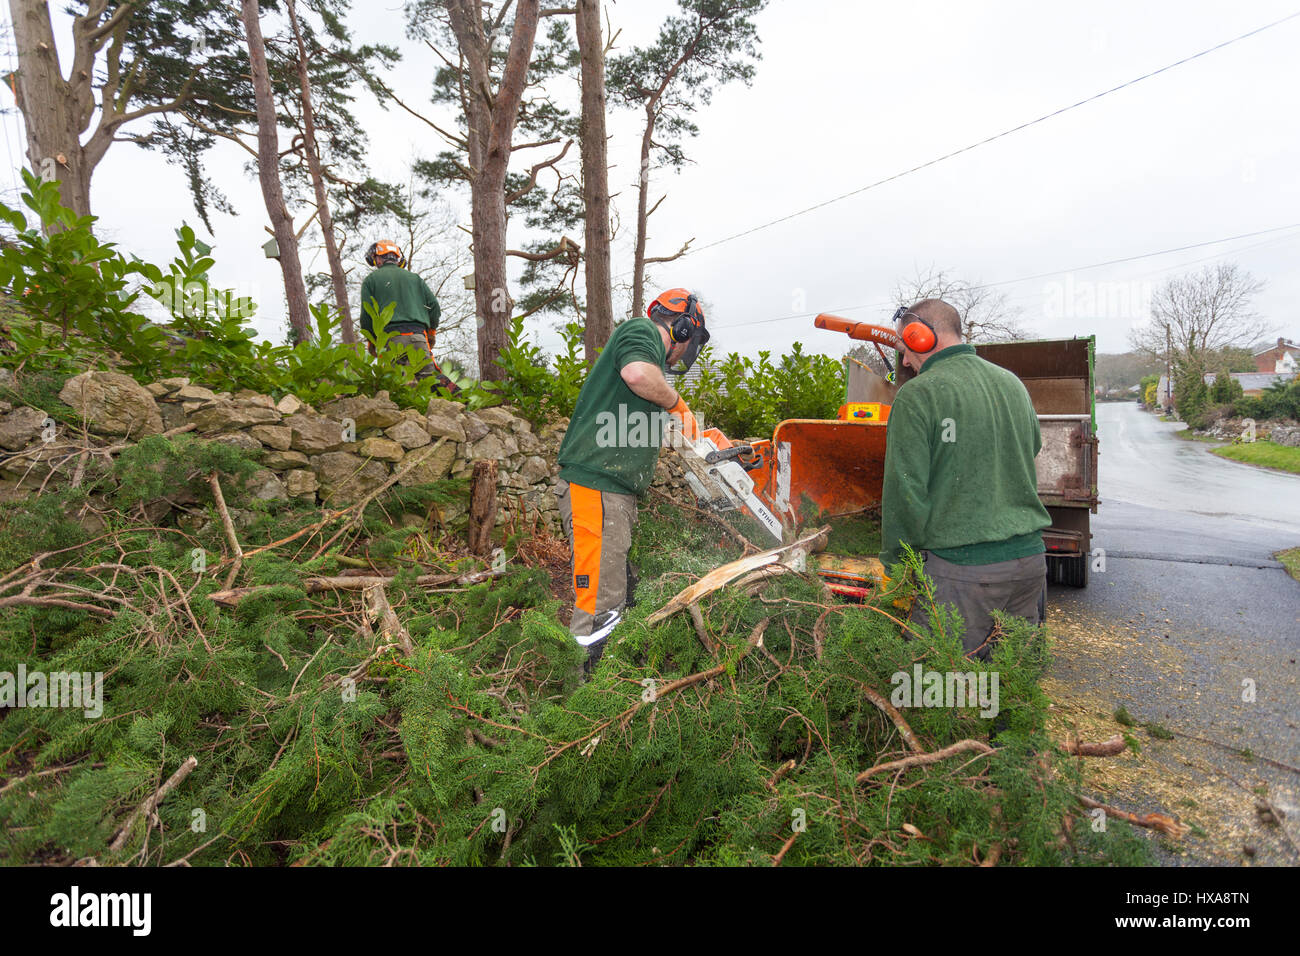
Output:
x=1192 y=626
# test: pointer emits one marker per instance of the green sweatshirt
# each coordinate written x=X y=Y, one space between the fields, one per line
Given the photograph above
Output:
x=417 y=306
x=959 y=464
x=614 y=435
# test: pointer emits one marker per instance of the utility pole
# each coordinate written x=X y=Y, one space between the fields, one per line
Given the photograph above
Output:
x=1169 y=367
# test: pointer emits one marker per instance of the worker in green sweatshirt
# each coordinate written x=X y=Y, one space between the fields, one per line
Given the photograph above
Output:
x=960 y=485
x=608 y=456
x=414 y=322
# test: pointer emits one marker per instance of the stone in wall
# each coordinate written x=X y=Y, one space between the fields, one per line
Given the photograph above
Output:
x=284 y=460
x=112 y=404
x=366 y=412
x=312 y=434
x=409 y=434
x=345 y=478
x=239 y=440
x=267 y=486
x=278 y=437
x=299 y=482
x=20 y=427
x=220 y=415
x=382 y=448
x=434 y=465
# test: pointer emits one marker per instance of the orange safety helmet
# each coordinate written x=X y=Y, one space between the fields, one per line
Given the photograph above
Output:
x=682 y=315
x=383 y=249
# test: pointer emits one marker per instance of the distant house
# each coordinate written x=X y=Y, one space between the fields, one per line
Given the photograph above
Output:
x=1283 y=357
x=692 y=377
x=1164 y=393
x=1254 y=383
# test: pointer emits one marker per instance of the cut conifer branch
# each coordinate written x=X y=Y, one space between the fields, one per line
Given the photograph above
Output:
x=924 y=759
x=229 y=525
x=722 y=576
x=232 y=596
x=147 y=808
x=1152 y=821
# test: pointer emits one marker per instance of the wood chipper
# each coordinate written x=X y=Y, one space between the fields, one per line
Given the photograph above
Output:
x=810 y=469
x=817 y=469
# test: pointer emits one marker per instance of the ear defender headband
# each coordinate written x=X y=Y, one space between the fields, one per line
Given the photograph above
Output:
x=918 y=335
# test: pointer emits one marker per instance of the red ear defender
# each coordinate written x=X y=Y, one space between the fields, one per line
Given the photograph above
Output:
x=918 y=336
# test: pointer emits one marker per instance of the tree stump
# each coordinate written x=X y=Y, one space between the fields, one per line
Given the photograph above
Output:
x=482 y=506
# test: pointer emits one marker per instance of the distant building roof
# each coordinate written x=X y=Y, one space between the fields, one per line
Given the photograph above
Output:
x=692 y=378
x=1254 y=381
x=1280 y=343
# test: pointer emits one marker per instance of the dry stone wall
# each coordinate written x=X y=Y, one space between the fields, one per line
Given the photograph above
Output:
x=332 y=455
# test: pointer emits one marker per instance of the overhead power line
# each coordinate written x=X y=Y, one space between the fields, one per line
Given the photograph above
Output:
x=995 y=136
x=1039 y=275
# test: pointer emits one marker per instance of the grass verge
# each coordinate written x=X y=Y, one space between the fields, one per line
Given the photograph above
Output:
x=1290 y=559
x=1264 y=454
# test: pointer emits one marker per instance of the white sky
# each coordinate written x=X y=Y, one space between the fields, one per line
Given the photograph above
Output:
x=848 y=93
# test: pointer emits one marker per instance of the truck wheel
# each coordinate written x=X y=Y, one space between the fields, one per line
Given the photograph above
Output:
x=1074 y=571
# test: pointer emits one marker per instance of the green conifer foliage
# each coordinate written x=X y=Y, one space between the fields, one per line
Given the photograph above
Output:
x=317 y=745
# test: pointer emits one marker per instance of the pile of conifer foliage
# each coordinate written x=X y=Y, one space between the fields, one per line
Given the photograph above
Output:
x=318 y=741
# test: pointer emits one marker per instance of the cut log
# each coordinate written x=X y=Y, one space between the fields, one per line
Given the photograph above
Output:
x=790 y=555
x=1155 y=821
x=1084 y=748
x=232 y=597
x=482 y=506
x=391 y=627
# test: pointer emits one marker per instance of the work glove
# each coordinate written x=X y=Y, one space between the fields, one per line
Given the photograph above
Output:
x=690 y=427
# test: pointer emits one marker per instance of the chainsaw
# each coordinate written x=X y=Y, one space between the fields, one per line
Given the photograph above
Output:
x=718 y=478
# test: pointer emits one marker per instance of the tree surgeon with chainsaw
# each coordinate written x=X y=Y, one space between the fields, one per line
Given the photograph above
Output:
x=960 y=486
x=608 y=456
x=414 y=323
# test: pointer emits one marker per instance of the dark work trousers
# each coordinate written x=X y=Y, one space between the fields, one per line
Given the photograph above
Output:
x=1018 y=587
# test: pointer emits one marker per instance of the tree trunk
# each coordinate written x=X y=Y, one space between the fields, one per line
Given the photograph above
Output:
x=51 y=112
x=595 y=180
x=643 y=192
x=491 y=293
x=491 y=124
x=268 y=172
x=318 y=182
x=482 y=506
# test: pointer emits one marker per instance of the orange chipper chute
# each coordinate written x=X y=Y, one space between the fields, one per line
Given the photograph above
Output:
x=834 y=466
x=879 y=334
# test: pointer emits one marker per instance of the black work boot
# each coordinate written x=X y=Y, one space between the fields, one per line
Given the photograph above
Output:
x=632 y=581
x=603 y=627
x=594 y=651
